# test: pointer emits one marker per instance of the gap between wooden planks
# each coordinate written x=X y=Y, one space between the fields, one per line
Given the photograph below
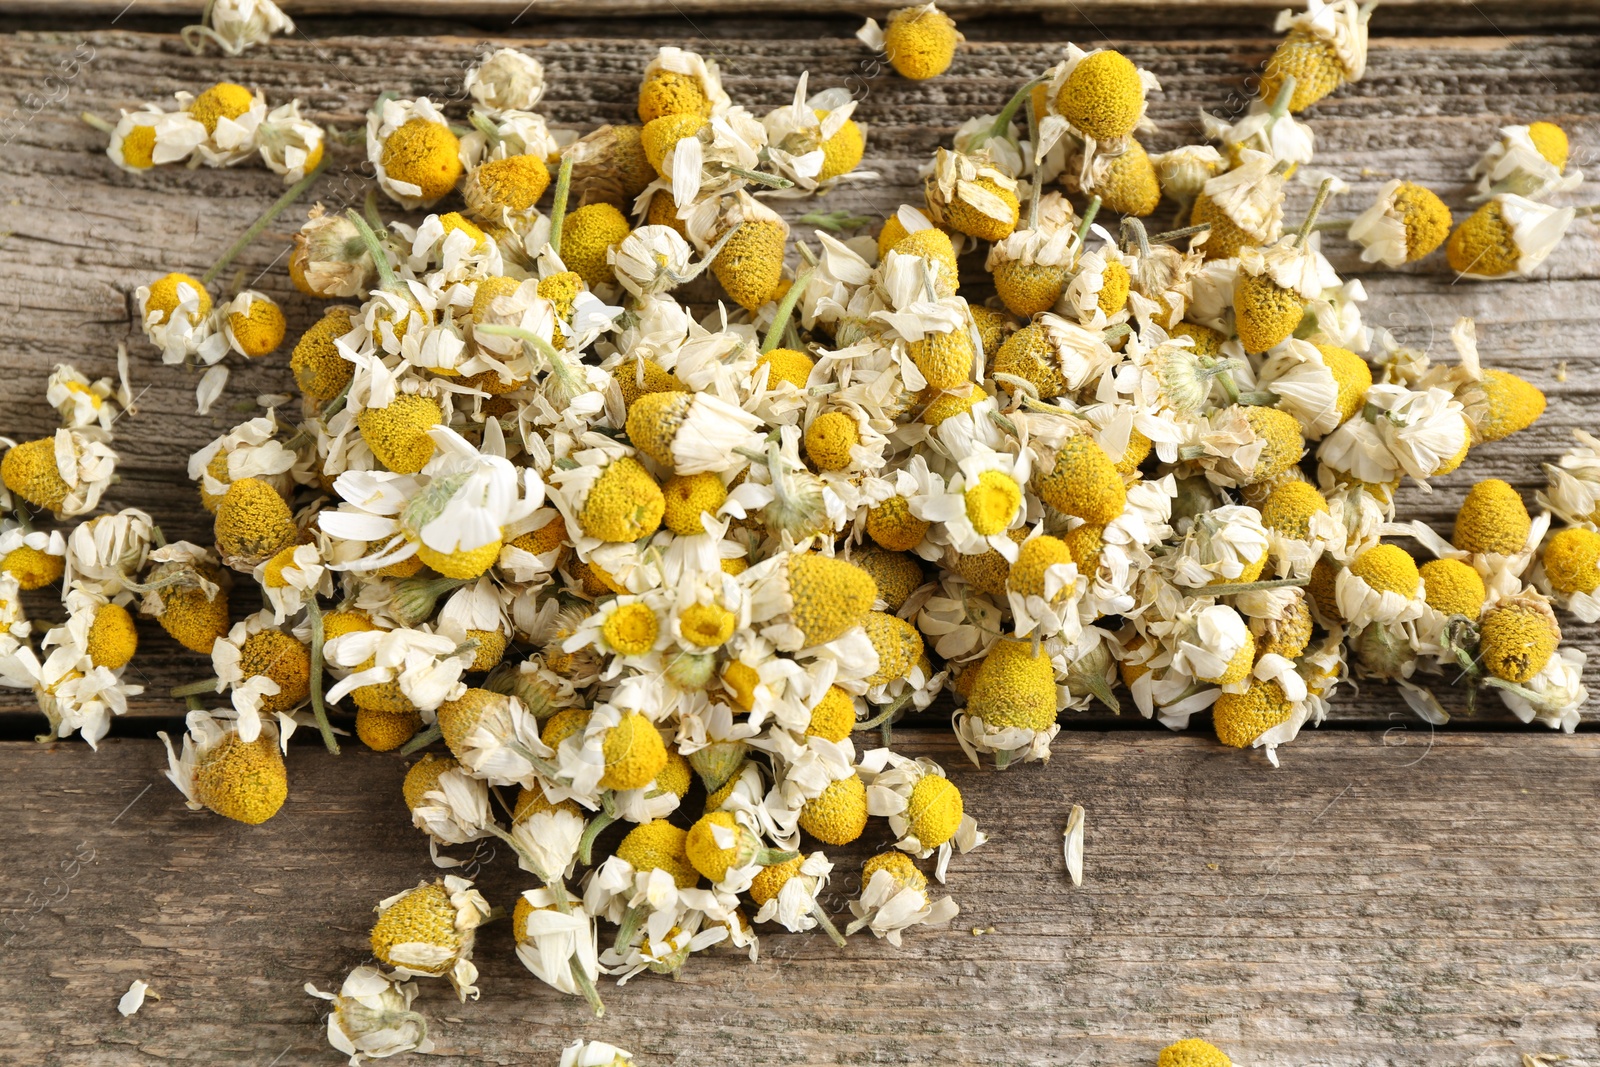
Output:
x=1382 y=900
x=83 y=235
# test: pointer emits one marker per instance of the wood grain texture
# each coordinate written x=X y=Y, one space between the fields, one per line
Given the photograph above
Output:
x=79 y=236
x=1382 y=901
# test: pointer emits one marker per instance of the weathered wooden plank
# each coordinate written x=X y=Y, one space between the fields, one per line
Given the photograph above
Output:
x=1382 y=901
x=80 y=236
x=1472 y=16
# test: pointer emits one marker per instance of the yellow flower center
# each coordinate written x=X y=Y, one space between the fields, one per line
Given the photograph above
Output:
x=631 y=629
x=992 y=503
x=706 y=625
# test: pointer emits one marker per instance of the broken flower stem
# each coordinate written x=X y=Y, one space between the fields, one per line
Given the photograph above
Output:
x=290 y=195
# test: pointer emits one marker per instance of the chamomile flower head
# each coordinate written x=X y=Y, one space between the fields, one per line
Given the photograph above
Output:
x=506 y=188
x=894 y=898
x=924 y=807
x=417 y=157
x=319 y=370
x=804 y=599
x=429 y=931
x=750 y=265
x=151 y=137
x=329 y=258
x=1510 y=404
x=1571 y=561
x=691 y=433
x=1493 y=518
x=505 y=80
x=219 y=770
x=1243 y=206
x=1326 y=47
x=967 y=193
x=726 y=850
x=1452 y=587
x=1382 y=584
x=1265 y=312
x=1404 y=224
x=1031 y=267
x=1529 y=160
x=1553 y=696
x=1184 y=171
x=188 y=595
x=33 y=559
x=253 y=524
x=838 y=815
x=397 y=432
x=587 y=239
x=79 y=402
x=919 y=41
x=1101 y=93
x=372 y=1016
x=1011 y=708
x=1517 y=637
x=1042 y=587
x=981 y=503
x=385 y=731
x=1508 y=235
x=1126 y=183
x=175 y=314
x=1082 y=481
x=1193 y=1052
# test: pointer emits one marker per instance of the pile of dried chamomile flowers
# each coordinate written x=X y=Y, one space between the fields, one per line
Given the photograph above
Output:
x=613 y=559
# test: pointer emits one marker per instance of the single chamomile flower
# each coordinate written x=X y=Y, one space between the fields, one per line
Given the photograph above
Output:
x=428 y=932
x=894 y=898
x=372 y=1016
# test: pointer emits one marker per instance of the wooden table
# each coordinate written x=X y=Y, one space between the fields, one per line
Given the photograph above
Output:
x=1394 y=895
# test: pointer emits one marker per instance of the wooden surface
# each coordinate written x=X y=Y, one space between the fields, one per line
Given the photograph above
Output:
x=1383 y=900
x=1391 y=897
x=80 y=235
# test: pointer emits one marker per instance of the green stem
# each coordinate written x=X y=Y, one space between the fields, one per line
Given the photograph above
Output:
x=826 y=923
x=590 y=993
x=629 y=926
x=1257 y=398
x=558 y=205
x=375 y=248
x=194 y=689
x=602 y=819
x=369 y=207
x=96 y=122
x=1234 y=588
x=318 y=708
x=1083 y=227
x=544 y=347
x=1316 y=208
x=1131 y=224
x=1033 y=146
x=290 y=195
x=1002 y=121
x=1280 y=103
x=1182 y=231
x=195 y=704
x=761 y=177
x=422 y=740
x=785 y=309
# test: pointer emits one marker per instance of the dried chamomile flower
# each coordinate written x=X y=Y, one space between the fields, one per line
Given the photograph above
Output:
x=919 y=41
x=253 y=324
x=1326 y=47
x=236 y=26
x=289 y=143
x=372 y=1017
x=1100 y=94
x=428 y=932
x=894 y=898
x=594 y=1054
x=1241 y=206
x=505 y=80
x=175 y=314
x=1193 y=1052
x=220 y=770
x=750 y=265
x=417 y=158
x=1529 y=161
x=66 y=473
x=1404 y=224
x=969 y=194
x=1509 y=234
x=1517 y=637
x=151 y=137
